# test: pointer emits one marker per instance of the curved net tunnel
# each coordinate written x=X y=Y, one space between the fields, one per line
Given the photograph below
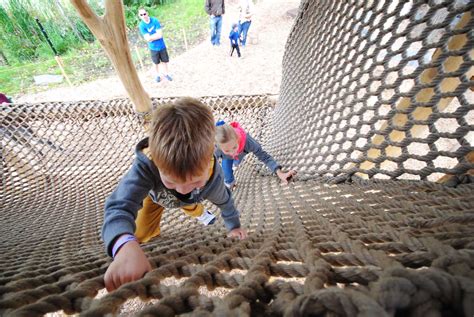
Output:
x=375 y=113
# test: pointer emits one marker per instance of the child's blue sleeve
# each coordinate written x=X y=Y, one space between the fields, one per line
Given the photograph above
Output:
x=221 y=196
x=251 y=145
x=218 y=152
x=122 y=206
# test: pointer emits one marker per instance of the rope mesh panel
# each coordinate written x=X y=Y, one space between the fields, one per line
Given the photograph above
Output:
x=378 y=247
x=378 y=87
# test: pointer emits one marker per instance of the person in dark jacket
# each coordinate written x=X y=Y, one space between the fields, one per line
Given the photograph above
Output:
x=215 y=9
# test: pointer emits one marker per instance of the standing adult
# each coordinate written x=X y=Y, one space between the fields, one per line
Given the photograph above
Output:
x=245 y=18
x=215 y=9
x=150 y=29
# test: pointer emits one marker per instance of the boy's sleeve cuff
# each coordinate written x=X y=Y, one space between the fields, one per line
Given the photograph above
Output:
x=113 y=230
x=276 y=168
x=121 y=241
x=232 y=224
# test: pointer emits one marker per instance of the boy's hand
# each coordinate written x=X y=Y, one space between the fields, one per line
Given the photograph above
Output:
x=238 y=233
x=130 y=264
x=285 y=176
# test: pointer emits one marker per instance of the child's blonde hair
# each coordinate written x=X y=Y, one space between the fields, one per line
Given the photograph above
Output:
x=224 y=133
x=182 y=138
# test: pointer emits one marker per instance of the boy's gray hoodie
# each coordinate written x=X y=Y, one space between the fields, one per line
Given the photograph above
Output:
x=144 y=179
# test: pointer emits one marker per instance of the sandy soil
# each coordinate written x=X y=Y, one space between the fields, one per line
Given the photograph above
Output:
x=205 y=70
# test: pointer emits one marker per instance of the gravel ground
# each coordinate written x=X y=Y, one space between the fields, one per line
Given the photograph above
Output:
x=205 y=70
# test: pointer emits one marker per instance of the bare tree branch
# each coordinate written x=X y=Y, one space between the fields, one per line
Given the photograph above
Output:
x=111 y=32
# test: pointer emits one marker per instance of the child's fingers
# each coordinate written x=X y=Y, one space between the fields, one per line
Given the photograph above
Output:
x=290 y=175
x=287 y=177
x=284 y=179
x=239 y=234
x=109 y=285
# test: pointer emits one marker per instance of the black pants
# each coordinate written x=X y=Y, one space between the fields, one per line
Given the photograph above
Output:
x=235 y=46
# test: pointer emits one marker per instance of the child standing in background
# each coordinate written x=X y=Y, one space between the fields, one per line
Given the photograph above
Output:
x=234 y=39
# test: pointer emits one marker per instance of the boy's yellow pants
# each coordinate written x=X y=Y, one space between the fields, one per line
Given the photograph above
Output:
x=149 y=217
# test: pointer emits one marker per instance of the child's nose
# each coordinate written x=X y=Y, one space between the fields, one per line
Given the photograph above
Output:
x=186 y=189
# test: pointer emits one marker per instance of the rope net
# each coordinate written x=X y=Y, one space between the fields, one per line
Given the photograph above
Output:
x=378 y=88
x=375 y=105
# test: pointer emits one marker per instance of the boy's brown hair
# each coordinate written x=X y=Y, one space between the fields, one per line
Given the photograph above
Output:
x=225 y=133
x=182 y=138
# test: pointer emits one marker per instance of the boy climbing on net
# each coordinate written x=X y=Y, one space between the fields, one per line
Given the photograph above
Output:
x=174 y=168
x=233 y=144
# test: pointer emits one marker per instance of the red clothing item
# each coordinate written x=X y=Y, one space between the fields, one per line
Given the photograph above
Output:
x=241 y=135
x=4 y=99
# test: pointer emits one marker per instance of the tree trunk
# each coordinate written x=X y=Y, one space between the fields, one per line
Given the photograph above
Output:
x=111 y=33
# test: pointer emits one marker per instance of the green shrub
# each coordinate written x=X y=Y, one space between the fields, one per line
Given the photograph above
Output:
x=83 y=59
x=22 y=40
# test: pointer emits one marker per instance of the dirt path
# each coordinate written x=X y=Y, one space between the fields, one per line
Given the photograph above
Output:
x=206 y=70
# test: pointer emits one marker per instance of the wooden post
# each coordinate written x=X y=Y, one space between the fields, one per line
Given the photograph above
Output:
x=111 y=33
x=61 y=67
x=139 y=57
x=4 y=58
x=185 y=39
x=55 y=52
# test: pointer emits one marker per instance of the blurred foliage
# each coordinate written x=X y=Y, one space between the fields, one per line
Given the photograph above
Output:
x=21 y=39
x=25 y=53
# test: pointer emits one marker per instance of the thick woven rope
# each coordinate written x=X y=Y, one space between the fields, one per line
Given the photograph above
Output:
x=376 y=105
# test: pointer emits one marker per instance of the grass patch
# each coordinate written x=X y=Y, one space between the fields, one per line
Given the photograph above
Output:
x=90 y=62
x=14 y=79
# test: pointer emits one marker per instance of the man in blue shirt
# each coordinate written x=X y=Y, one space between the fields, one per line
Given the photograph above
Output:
x=151 y=30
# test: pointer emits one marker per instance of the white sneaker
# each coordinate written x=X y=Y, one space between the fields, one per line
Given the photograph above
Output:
x=206 y=218
x=230 y=185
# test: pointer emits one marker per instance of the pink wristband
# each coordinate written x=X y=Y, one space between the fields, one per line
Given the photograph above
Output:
x=121 y=241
